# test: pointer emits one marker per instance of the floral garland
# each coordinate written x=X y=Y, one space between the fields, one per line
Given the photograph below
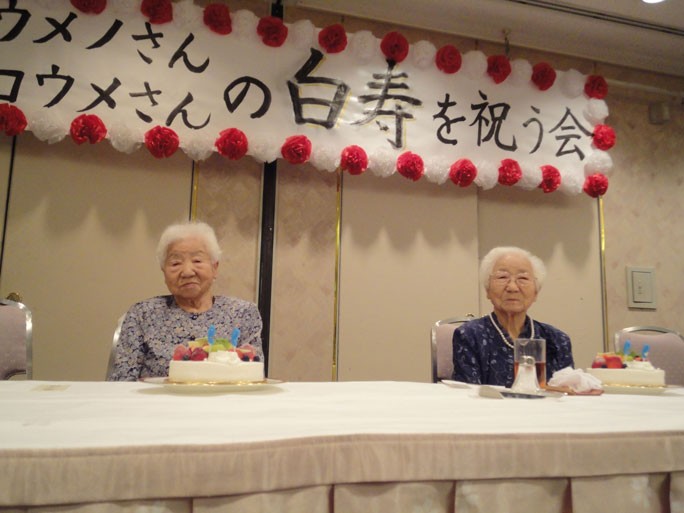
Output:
x=232 y=143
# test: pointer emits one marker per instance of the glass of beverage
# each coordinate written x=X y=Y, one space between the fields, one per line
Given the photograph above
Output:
x=531 y=347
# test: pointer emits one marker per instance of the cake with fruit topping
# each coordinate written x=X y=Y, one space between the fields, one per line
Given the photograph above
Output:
x=626 y=370
x=217 y=363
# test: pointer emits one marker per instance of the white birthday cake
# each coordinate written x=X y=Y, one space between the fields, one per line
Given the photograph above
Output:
x=219 y=364
x=621 y=370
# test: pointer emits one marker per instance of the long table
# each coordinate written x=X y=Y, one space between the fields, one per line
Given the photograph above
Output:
x=336 y=447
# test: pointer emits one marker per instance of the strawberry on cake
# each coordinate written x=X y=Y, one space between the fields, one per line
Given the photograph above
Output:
x=626 y=370
x=217 y=363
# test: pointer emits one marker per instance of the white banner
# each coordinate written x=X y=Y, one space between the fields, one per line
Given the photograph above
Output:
x=175 y=75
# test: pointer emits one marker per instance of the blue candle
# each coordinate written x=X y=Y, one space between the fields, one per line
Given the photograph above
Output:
x=234 y=336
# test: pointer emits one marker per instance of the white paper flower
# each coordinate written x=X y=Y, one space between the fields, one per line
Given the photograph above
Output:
x=364 y=45
x=572 y=83
x=598 y=162
x=244 y=25
x=325 y=158
x=301 y=34
x=437 y=169
x=571 y=183
x=47 y=126
x=521 y=72
x=487 y=174
x=531 y=177
x=125 y=139
x=596 y=111
x=263 y=149
x=423 y=54
x=197 y=148
x=384 y=163
x=474 y=64
x=187 y=15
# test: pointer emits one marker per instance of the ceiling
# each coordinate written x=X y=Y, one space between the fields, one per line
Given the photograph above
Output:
x=624 y=32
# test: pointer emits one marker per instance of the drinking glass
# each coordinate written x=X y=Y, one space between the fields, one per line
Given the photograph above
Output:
x=535 y=348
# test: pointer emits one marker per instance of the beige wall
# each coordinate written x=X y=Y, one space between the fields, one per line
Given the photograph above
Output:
x=228 y=196
x=84 y=222
x=80 y=242
x=303 y=309
x=644 y=210
x=408 y=258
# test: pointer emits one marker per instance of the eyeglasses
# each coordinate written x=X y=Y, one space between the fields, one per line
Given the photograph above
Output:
x=502 y=278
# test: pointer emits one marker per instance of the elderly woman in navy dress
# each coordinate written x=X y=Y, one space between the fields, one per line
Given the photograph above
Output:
x=483 y=348
x=188 y=254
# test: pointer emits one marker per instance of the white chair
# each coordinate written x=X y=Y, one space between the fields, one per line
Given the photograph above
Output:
x=441 y=348
x=16 y=336
x=666 y=349
x=115 y=343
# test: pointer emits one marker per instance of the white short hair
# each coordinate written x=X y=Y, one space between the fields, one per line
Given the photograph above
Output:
x=487 y=264
x=181 y=231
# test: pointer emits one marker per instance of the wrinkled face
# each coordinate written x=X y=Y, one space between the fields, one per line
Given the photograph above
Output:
x=188 y=269
x=512 y=288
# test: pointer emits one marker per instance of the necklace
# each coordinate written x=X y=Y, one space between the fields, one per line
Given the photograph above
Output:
x=503 y=337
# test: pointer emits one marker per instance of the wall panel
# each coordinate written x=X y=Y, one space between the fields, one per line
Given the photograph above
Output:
x=229 y=199
x=302 y=313
x=82 y=230
x=409 y=258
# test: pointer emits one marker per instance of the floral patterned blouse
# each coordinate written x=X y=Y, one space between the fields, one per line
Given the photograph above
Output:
x=152 y=328
x=481 y=357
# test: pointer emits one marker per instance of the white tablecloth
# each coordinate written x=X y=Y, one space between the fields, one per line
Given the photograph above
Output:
x=336 y=447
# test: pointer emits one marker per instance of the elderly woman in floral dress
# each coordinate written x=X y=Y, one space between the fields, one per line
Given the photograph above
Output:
x=483 y=348
x=188 y=254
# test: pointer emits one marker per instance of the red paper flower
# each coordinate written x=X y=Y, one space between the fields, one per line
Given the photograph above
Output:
x=90 y=6
x=272 y=31
x=12 y=120
x=232 y=143
x=410 y=166
x=296 y=149
x=158 y=11
x=604 y=137
x=543 y=75
x=354 y=160
x=498 y=67
x=448 y=59
x=509 y=172
x=333 y=39
x=595 y=185
x=462 y=172
x=395 y=47
x=217 y=18
x=161 y=141
x=596 y=87
x=87 y=128
x=551 y=179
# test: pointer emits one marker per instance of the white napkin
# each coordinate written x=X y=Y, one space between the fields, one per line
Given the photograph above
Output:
x=576 y=379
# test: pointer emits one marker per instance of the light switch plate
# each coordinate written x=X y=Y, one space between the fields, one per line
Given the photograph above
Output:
x=641 y=291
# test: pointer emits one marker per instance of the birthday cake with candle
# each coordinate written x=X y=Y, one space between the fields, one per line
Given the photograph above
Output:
x=626 y=369
x=215 y=361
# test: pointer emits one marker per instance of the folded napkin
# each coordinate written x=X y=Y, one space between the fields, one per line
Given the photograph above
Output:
x=576 y=380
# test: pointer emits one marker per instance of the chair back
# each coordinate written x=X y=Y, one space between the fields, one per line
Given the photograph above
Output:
x=666 y=349
x=441 y=346
x=16 y=336
x=115 y=344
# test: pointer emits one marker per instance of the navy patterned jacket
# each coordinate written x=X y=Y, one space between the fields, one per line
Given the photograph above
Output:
x=152 y=328
x=481 y=357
